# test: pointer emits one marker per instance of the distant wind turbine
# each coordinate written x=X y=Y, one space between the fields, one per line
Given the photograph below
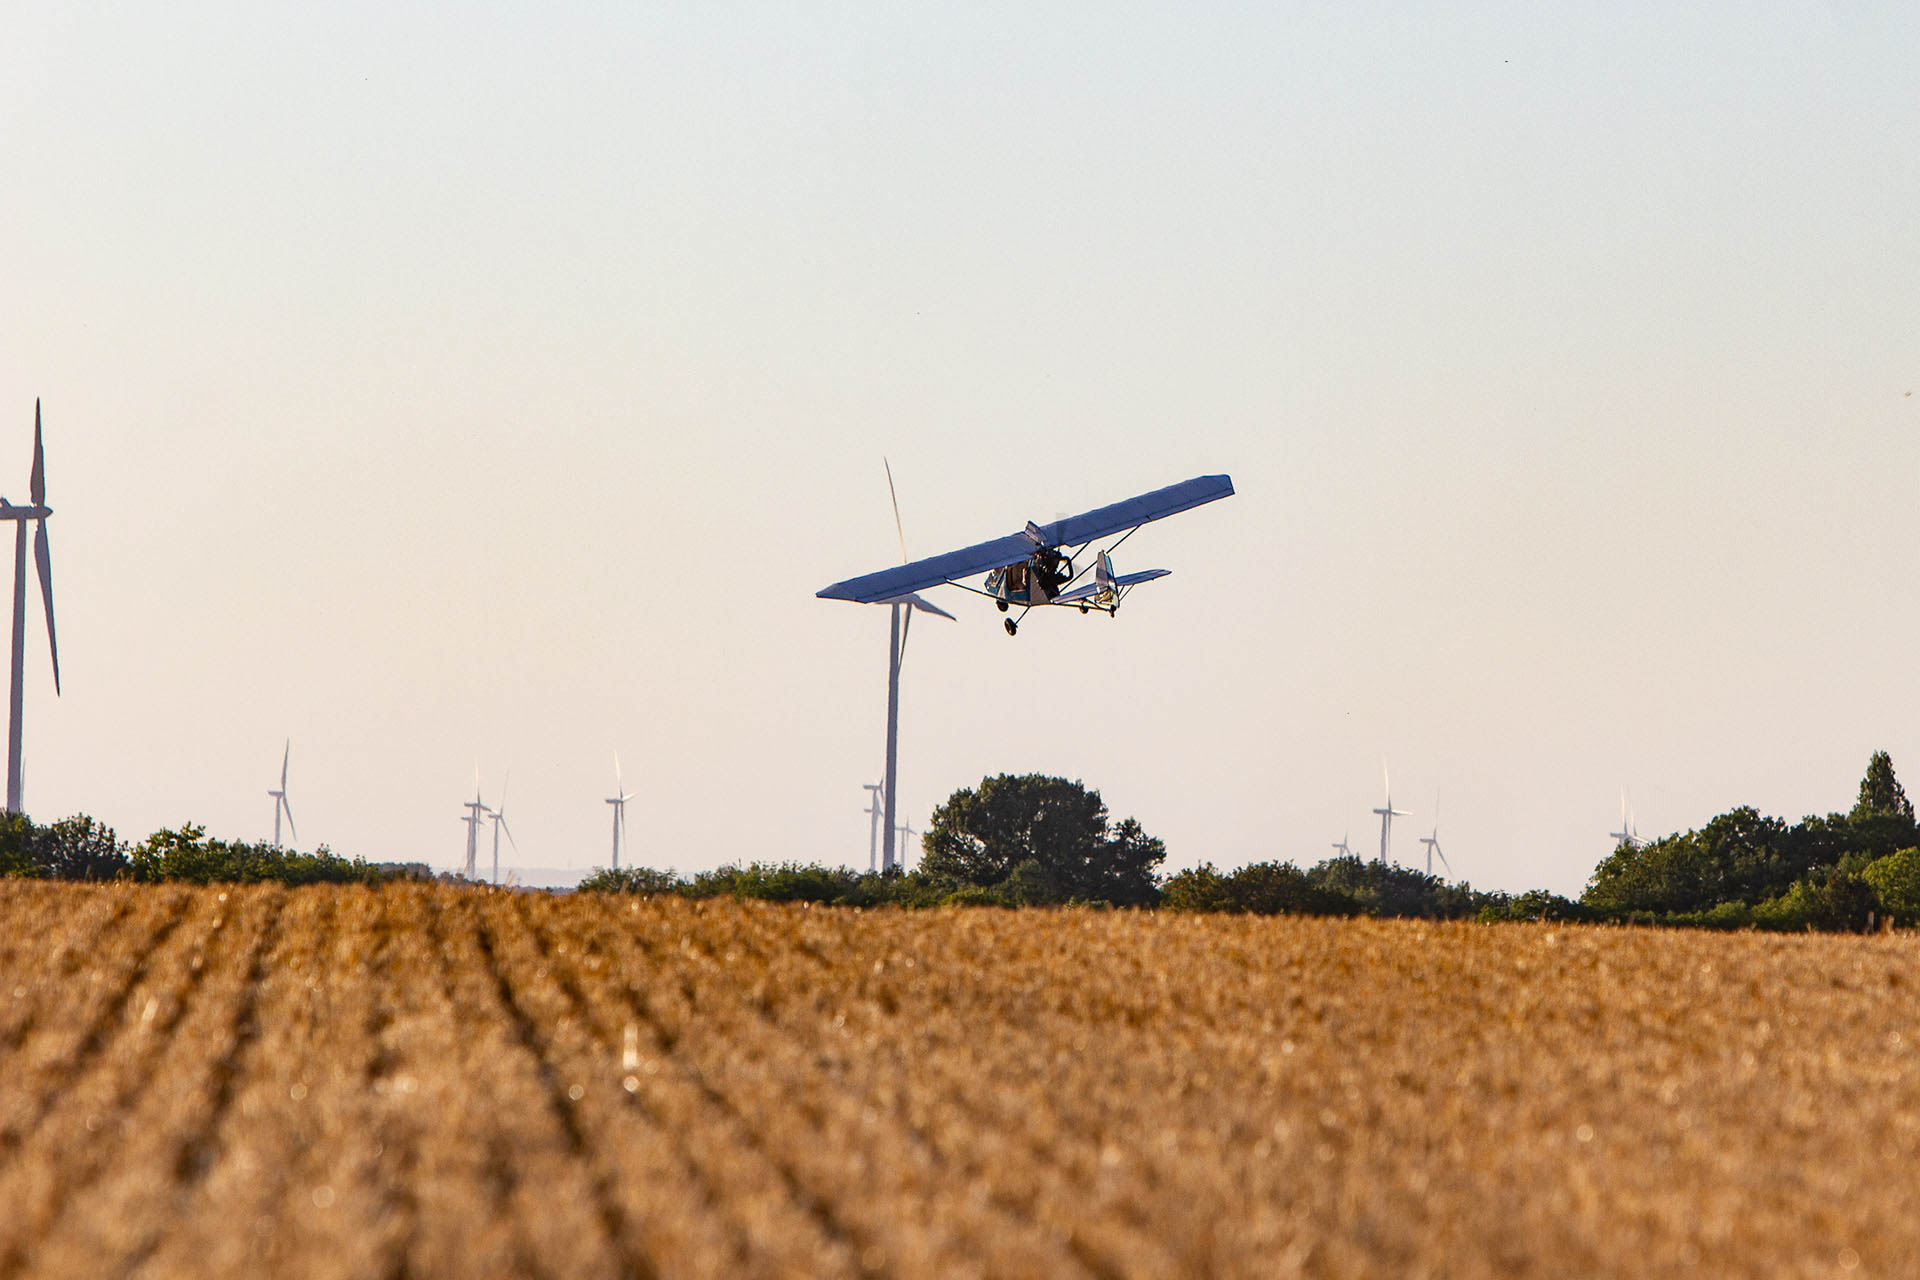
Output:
x=618 y=800
x=903 y=608
x=1627 y=834
x=1340 y=846
x=1433 y=841
x=476 y=814
x=906 y=834
x=500 y=824
x=874 y=811
x=280 y=804
x=37 y=511
x=1387 y=815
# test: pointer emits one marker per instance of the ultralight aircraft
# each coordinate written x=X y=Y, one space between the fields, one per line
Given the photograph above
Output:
x=1036 y=566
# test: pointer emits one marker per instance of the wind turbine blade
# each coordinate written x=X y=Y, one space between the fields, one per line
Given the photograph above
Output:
x=509 y=830
x=897 y=526
x=285 y=756
x=43 y=560
x=38 y=486
x=618 y=786
x=288 y=808
x=503 y=791
x=921 y=602
x=1442 y=857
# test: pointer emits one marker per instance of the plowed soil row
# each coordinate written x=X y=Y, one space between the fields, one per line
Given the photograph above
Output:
x=426 y=1082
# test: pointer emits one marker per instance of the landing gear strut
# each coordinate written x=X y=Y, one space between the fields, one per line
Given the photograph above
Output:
x=1013 y=627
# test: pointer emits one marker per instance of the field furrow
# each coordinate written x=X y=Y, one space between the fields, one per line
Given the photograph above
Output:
x=426 y=1082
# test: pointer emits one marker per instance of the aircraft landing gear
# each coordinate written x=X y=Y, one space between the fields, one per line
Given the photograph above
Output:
x=1001 y=605
x=1083 y=608
x=1013 y=627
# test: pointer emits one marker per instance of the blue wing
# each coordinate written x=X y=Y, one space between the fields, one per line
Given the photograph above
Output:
x=876 y=588
x=1135 y=512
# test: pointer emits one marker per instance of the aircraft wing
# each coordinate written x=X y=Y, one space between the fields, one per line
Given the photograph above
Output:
x=889 y=584
x=1124 y=580
x=1134 y=512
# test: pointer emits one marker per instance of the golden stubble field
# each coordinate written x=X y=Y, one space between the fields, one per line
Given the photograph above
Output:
x=429 y=1082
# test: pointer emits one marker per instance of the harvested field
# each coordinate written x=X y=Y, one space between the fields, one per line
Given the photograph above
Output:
x=428 y=1082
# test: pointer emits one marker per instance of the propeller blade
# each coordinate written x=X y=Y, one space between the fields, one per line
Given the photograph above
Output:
x=38 y=486
x=43 y=561
x=897 y=526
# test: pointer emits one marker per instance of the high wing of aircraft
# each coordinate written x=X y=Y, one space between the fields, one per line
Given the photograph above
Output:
x=1035 y=567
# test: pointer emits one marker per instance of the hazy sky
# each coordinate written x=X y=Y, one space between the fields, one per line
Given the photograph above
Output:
x=436 y=384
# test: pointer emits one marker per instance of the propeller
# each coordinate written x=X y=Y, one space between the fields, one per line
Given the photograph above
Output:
x=42 y=555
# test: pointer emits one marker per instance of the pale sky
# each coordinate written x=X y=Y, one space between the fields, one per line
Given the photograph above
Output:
x=441 y=384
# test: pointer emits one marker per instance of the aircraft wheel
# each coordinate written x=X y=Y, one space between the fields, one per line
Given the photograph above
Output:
x=1013 y=628
x=1083 y=608
x=1001 y=605
x=1113 y=611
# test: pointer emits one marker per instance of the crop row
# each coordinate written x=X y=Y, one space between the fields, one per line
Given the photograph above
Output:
x=425 y=1081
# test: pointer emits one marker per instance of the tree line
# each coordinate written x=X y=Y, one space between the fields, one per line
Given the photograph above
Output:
x=1034 y=841
x=1030 y=840
x=80 y=848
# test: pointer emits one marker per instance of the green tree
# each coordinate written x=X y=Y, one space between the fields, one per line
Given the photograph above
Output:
x=78 y=848
x=1896 y=883
x=1045 y=839
x=1880 y=790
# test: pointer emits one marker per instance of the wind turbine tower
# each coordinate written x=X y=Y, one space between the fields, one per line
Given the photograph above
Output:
x=499 y=816
x=618 y=800
x=280 y=804
x=36 y=511
x=874 y=810
x=1433 y=842
x=476 y=814
x=1387 y=815
x=903 y=608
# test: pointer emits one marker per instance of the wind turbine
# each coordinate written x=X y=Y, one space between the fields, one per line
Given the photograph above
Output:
x=903 y=607
x=500 y=824
x=1340 y=846
x=1433 y=841
x=37 y=511
x=618 y=800
x=280 y=804
x=476 y=814
x=874 y=810
x=906 y=833
x=1626 y=835
x=1387 y=815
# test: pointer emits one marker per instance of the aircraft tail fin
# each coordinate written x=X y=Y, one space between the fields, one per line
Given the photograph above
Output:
x=1107 y=587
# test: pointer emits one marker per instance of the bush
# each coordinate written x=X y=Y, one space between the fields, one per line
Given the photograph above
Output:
x=1895 y=880
x=630 y=880
x=186 y=854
